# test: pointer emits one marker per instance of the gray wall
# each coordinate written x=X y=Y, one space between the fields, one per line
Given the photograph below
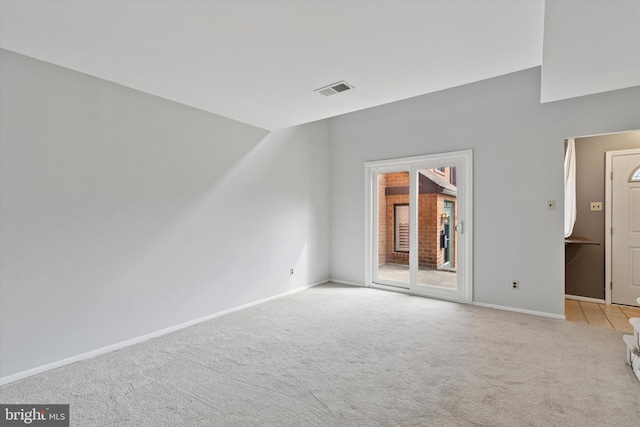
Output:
x=123 y=213
x=585 y=275
x=518 y=166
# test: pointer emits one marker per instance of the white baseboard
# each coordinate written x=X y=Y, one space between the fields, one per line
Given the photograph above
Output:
x=344 y=282
x=521 y=310
x=480 y=304
x=585 y=299
x=390 y=288
x=137 y=340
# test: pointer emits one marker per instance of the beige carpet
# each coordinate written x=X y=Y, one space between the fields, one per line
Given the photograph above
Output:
x=345 y=356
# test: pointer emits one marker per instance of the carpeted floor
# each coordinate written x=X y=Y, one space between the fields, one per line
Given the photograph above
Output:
x=345 y=356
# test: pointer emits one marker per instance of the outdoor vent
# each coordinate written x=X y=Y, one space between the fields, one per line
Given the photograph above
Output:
x=334 y=88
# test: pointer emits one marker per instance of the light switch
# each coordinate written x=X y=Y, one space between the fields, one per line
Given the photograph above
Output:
x=596 y=206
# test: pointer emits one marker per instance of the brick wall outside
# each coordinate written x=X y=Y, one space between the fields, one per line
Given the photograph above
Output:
x=395 y=179
x=429 y=253
x=430 y=224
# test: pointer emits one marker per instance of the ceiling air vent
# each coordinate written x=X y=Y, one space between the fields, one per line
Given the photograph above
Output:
x=334 y=88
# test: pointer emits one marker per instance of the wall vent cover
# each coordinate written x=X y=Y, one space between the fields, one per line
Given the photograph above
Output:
x=334 y=88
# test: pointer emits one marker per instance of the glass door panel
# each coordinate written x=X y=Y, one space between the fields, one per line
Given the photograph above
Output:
x=393 y=213
x=437 y=240
x=419 y=212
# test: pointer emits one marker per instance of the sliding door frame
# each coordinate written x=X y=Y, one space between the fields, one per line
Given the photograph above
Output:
x=464 y=160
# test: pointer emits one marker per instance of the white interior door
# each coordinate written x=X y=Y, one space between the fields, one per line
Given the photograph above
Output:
x=419 y=228
x=625 y=223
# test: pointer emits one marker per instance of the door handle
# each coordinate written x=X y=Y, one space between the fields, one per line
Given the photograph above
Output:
x=459 y=228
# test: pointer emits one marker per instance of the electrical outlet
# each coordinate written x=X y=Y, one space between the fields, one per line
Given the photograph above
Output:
x=551 y=205
x=291 y=271
x=515 y=285
x=596 y=206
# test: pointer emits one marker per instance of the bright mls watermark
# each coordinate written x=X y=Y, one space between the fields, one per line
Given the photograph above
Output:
x=34 y=415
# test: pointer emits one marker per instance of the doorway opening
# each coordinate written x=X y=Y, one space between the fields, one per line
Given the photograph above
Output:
x=419 y=228
x=590 y=257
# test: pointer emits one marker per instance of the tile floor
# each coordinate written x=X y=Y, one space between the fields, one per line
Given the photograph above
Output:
x=601 y=315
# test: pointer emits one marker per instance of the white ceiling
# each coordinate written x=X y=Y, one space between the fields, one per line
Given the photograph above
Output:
x=259 y=61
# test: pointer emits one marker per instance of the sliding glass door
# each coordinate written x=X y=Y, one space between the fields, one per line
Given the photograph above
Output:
x=419 y=228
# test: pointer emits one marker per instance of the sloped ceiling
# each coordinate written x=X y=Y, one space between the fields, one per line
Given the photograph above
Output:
x=259 y=61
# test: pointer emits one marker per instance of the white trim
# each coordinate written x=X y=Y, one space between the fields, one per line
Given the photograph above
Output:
x=607 y=227
x=605 y=134
x=585 y=299
x=392 y=283
x=479 y=304
x=414 y=197
x=521 y=310
x=344 y=282
x=137 y=340
x=390 y=288
x=608 y=182
x=369 y=213
x=372 y=170
x=462 y=159
x=407 y=291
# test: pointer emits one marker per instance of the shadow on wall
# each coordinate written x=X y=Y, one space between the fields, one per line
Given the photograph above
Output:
x=254 y=224
x=123 y=213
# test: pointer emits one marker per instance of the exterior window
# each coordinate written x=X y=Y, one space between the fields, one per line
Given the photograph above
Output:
x=635 y=175
x=401 y=228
